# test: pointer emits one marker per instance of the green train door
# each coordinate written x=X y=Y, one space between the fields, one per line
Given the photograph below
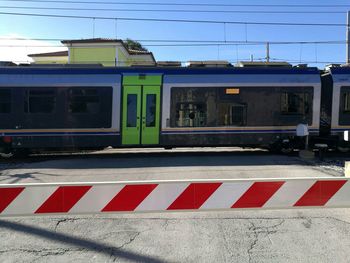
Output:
x=131 y=115
x=140 y=112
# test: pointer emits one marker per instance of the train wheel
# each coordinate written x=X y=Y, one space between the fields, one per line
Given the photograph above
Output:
x=6 y=155
x=287 y=149
x=343 y=149
x=21 y=153
x=6 y=152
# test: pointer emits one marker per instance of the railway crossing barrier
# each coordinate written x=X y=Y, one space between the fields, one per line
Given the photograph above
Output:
x=177 y=195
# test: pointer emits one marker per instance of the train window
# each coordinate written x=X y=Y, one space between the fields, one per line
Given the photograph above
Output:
x=84 y=100
x=347 y=101
x=190 y=115
x=232 y=114
x=295 y=103
x=151 y=110
x=193 y=106
x=41 y=100
x=5 y=101
x=131 y=110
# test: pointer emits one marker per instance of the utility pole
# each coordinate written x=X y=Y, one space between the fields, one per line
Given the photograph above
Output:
x=267 y=52
x=347 y=40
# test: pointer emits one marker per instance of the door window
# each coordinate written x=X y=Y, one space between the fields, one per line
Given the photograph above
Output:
x=132 y=110
x=5 y=101
x=151 y=110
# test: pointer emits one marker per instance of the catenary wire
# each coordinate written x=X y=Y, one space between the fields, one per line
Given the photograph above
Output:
x=170 y=10
x=180 y=4
x=184 y=43
x=176 y=20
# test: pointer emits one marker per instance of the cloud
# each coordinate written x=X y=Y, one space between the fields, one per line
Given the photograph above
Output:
x=16 y=48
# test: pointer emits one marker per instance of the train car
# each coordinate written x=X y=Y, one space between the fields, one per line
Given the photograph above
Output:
x=335 y=107
x=92 y=108
x=247 y=107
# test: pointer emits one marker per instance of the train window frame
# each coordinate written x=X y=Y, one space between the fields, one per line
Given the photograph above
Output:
x=345 y=95
x=70 y=95
x=131 y=110
x=151 y=110
x=28 y=97
x=231 y=117
x=6 y=102
x=197 y=116
x=191 y=115
x=305 y=97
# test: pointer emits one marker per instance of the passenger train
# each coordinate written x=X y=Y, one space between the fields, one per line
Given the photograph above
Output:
x=77 y=108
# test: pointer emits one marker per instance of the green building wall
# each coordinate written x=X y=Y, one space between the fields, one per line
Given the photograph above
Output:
x=104 y=55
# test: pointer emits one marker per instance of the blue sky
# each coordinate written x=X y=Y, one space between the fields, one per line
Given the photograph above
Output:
x=59 y=28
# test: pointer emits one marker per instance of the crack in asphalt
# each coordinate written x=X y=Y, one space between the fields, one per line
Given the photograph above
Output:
x=131 y=239
x=338 y=220
x=307 y=223
x=255 y=241
x=166 y=223
x=257 y=232
x=42 y=252
x=64 y=220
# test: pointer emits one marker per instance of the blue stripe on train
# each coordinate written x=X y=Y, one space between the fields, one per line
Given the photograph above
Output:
x=235 y=131
x=56 y=133
x=163 y=132
x=155 y=70
x=339 y=130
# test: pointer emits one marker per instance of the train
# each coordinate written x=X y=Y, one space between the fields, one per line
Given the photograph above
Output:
x=89 y=108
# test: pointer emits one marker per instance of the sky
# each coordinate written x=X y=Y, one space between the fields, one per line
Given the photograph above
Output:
x=29 y=28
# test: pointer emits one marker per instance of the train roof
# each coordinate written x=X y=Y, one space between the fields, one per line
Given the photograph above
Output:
x=157 y=70
x=339 y=70
x=340 y=75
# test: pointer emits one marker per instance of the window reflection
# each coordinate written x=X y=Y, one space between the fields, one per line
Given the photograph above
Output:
x=151 y=110
x=131 y=110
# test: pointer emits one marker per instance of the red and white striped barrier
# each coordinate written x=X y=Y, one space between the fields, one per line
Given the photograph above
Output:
x=197 y=195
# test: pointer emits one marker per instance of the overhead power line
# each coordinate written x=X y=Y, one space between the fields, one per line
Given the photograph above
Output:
x=241 y=43
x=178 y=4
x=196 y=41
x=177 y=20
x=170 y=10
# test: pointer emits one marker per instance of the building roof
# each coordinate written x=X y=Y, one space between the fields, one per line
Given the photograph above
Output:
x=107 y=40
x=50 y=54
x=138 y=52
x=92 y=40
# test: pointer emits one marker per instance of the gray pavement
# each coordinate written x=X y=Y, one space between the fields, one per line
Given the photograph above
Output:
x=300 y=235
x=123 y=165
x=237 y=236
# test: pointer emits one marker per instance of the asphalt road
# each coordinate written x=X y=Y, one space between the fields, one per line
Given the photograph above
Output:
x=155 y=164
x=300 y=235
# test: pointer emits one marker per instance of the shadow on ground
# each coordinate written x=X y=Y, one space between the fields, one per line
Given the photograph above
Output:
x=146 y=160
x=86 y=244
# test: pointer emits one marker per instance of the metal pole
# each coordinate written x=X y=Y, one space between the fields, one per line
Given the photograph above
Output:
x=267 y=52
x=347 y=39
